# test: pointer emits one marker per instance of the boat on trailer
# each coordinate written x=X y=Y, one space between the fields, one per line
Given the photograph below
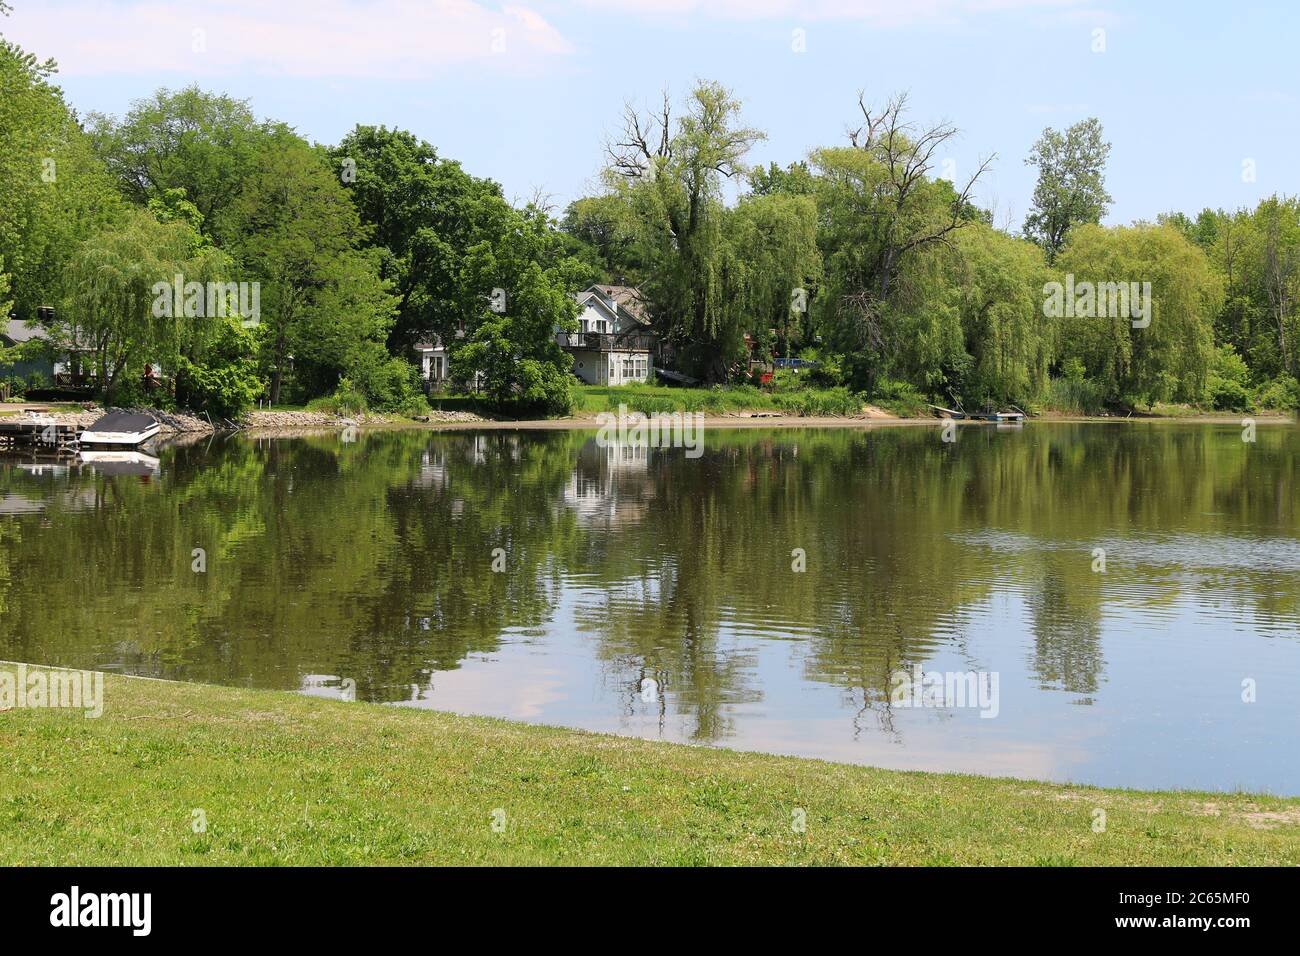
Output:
x=120 y=430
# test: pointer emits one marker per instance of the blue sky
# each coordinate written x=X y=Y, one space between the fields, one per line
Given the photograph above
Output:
x=528 y=92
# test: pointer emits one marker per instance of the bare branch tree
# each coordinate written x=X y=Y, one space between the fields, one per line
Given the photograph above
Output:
x=906 y=154
x=642 y=141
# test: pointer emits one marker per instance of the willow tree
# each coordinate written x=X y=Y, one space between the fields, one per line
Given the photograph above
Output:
x=1168 y=357
x=670 y=177
x=775 y=267
x=883 y=218
x=1276 y=274
x=110 y=306
x=996 y=282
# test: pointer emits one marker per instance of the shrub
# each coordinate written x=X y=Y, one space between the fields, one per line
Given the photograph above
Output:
x=901 y=398
x=347 y=399
x=383 y=382
x=1072 y=370
x=1227 y=395
x=1077 y=396
x=1225 y=386
x=829 y=372
x=224 y=391
x=1282 y=392
x=826 y=402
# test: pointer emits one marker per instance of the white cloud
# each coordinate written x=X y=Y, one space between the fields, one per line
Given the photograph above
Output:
x=406 y=39
x=880 y=13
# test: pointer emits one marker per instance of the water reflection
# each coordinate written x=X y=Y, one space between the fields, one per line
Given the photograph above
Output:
x=642 y=591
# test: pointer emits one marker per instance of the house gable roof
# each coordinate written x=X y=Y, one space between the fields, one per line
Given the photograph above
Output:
x=18 y=331
x=594 y=300
x=627 y=301
x=628 y=298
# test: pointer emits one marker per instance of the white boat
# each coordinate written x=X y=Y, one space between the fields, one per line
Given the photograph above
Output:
x=120 y=430
x=120 y=462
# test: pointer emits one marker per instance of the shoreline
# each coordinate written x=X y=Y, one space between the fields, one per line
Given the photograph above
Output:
x=285 y=422
x=286 y=778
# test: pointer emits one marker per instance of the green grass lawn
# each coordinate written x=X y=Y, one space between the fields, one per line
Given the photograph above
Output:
x=15 y=406
x=593 y=399
x=286 y=779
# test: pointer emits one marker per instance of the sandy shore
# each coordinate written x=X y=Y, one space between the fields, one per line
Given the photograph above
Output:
x=267 y=424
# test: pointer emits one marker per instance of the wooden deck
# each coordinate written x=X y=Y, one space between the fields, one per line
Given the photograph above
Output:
x=27 y=433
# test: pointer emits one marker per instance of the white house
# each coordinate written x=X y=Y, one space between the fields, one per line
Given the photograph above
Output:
x=613 y=344
x=433 y=361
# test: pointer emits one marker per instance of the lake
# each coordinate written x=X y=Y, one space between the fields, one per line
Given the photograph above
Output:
x=1120 y=602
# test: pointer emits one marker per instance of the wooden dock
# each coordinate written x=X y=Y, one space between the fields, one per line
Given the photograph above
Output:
x=28 y=433
x=1001 y=418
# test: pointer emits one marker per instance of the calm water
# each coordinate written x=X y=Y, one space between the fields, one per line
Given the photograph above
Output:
x=369 y=565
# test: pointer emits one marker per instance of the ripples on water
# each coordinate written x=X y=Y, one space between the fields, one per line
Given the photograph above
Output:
x=651 y=594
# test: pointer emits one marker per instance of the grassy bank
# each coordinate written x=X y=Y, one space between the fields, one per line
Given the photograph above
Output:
x=286 y=779
x=735 y=400
x=593 y=399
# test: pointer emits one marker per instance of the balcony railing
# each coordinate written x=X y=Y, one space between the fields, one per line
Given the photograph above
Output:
x=606 y=342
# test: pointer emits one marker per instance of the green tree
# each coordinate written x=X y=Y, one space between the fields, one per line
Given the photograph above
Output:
x=1071 y=189
x=294 y=229
x=771 y=268
x=602 y=224
x=424 y=213
x=512 y=341
x=884 y=223
x=670 y=178
x=997 y=283
x=203 y=143
x=53 y=191
x=794 y=180
x=1171 y=357
x=112 y=301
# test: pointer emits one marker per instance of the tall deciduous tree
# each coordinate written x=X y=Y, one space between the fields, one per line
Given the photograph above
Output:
x=997 y=282
x=203 y=143
x=111 y=295
x=1071 y=188
x=671 y=179
x=295 y=230
x=424 y=213
x=1171 y=357
x=53 y=192
x=885 y=220
x=512 y=343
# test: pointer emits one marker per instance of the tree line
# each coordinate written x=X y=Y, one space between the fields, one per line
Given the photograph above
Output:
x=866 y=257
